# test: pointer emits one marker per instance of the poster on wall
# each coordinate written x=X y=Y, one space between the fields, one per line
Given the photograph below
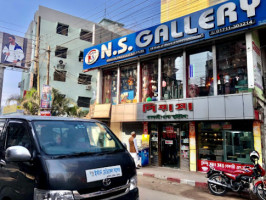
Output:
x=15 y=51
x=46 y=98
x=257 y=66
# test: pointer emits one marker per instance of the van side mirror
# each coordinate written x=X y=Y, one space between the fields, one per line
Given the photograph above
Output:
x=17 y=154
x=125 y=145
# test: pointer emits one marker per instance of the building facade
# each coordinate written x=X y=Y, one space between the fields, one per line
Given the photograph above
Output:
x=67 y=37
x=192 y=88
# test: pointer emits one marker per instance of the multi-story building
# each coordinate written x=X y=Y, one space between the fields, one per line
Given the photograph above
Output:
x=191 y=88
x=67 y=37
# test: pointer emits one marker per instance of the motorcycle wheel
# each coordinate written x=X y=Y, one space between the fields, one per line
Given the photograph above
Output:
x=261 y=191
x=216 y=189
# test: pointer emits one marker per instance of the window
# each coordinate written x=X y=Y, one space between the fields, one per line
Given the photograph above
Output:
x=59 y=75
x=200 y=73
x=225 y=141
x=232 y=67
x=172 y=77
x=61 y=52
x=62 y=29
x=84 y=102
x=128 y=87
x=81 y=56
x=109 y=86
x=86 y=35
x=84 y=79
x=17 y=135
x=149 y=80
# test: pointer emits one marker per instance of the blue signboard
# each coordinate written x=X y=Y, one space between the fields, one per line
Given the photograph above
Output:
x=221 y=19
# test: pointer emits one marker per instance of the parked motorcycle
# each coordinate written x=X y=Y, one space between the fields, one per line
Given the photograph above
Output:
x=250 y=178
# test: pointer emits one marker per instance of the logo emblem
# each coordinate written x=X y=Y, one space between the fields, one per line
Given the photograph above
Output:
x=106 y=182
x=92 y=56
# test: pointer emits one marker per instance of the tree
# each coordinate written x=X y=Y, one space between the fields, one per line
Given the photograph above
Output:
x=30 y=103
x=61 y=106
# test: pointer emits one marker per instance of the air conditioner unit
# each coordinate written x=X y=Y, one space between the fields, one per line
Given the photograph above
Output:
x=61 y=65
x=88 y=87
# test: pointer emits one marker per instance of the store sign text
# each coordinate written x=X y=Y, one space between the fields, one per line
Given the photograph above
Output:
x=178 y=116
x=204 y=165
x=227 y=17
x=167 y=107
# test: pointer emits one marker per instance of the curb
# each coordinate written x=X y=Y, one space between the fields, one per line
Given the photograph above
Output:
x=200 y=185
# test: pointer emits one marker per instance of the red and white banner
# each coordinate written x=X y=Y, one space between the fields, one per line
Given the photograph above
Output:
x=204 y=165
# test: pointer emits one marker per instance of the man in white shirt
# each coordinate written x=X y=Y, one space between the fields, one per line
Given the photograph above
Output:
x=13 y=52
x=133 y=148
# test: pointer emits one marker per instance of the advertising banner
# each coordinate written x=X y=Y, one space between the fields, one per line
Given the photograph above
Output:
x=46 y=99
x=204 y=165
x=225 y=18
x=45 y=113
x=15 y=51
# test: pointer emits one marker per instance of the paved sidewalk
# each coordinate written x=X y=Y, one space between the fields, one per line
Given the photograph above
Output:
x=196 y=179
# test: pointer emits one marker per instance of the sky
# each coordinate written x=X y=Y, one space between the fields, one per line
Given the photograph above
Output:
x=16 y=15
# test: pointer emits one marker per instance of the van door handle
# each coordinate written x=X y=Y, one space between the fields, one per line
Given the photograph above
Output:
x=2 y=163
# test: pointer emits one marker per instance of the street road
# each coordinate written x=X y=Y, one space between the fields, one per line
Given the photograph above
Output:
x=155 y=189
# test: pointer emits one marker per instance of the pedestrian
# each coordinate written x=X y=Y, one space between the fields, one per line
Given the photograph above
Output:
x=13 y=52
x=133 y=148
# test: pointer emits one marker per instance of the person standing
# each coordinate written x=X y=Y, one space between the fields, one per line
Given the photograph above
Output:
x=133 y=148
x=13 y=52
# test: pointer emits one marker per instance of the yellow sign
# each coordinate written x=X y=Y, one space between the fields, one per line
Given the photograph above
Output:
x=257 y=139
x=145 y=140
x=172 y=9
x=9 y=109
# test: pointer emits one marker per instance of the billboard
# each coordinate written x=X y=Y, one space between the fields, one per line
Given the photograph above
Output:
x=46 y=98
x=15 y=51
x=226 y=18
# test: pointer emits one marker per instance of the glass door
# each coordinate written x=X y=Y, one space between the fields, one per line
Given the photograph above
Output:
x=237 y=146
x=170 y=145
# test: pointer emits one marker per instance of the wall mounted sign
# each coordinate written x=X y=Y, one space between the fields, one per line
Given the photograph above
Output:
x=224 y=18
x=171 y=110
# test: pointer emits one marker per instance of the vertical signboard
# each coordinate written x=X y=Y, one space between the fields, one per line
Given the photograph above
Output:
x=46 y=98
x=257 y=139
x=257 y=65
x=192 y=146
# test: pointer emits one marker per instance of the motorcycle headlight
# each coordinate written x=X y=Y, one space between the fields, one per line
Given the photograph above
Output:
x=133 y=183
x=53 y=195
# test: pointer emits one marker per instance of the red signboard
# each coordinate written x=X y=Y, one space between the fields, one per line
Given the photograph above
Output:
x=45 y=113
x=167 y=107
x=204 y=165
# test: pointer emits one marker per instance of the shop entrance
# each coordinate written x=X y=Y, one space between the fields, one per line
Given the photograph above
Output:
x=170 y=145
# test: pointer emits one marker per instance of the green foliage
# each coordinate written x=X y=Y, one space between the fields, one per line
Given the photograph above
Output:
x=61 y=106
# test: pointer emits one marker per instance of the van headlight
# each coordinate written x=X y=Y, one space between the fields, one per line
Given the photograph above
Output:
x=53 y=194
x=133 y=183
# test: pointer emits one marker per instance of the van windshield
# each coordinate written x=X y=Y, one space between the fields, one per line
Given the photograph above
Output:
x=73 y=137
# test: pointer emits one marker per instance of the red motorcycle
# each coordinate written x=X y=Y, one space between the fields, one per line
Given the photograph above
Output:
x=251 y=178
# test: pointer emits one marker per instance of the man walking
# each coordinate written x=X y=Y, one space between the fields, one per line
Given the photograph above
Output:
x=133 y=148
x=13 y=52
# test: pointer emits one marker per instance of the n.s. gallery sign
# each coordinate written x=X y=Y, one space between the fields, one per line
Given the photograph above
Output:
x=225 y=18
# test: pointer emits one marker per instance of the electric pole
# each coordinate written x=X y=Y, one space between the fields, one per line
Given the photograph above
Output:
x=48 y=65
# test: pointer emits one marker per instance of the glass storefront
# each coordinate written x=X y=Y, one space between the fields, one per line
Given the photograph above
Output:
x=128 y=87
x=232 y=66
x=149 y=80
x=200 y=73
x=110 y=86
x=172 y=77
x=225 y=141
